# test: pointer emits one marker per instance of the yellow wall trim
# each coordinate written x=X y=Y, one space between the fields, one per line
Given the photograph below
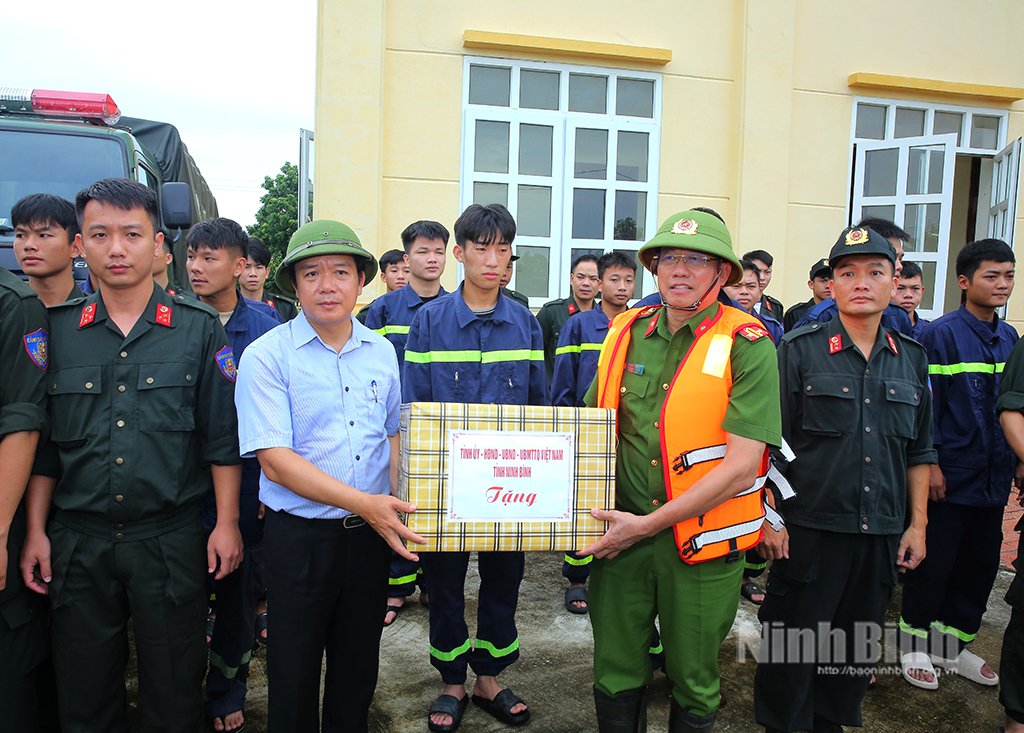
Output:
x=864 y=80
x=565 y=47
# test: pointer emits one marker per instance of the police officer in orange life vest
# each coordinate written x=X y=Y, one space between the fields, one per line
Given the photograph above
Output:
x=695 y=383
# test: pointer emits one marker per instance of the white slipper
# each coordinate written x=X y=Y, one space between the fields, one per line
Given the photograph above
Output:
x=921 y=661
x=968 y=664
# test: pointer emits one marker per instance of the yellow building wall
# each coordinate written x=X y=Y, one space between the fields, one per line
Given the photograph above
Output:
x=757 y=106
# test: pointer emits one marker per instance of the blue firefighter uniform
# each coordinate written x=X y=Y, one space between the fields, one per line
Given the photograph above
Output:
x=945 y=597
x=455 y=355
x=893 y=316
x=391 y=316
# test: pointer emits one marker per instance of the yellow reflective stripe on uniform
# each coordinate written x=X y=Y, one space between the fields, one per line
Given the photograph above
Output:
x=656 y=649
x=495 y=652
x=961 y=635
x=216 y=660
x=571 y=349
x=403 y=580
x=967 y=367
x=484 y=357
x=578 y=561
x=385 y=330
x=449 y=656
x=912 y=630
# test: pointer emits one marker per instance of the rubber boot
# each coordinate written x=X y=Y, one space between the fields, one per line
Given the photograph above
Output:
x=682 y=721
x=625 y=713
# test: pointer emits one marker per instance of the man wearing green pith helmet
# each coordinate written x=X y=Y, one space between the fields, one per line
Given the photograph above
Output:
x=696 y=387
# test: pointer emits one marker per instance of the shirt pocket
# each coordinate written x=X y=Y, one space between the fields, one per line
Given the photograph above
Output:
x=632 y=392
x=376 y=402
x=902 y=400
x=74 y=395
x=166 y=396
x=829 y=405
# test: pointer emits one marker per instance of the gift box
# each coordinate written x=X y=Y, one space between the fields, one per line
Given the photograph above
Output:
x=505 y=477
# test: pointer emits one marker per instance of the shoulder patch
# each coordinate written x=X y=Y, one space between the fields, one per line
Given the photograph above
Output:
x=648 y=310
x=163 y=314
x=835 y=343
x=572 y=308
x=36 y=346
x=88 y=315
x=892 y=344
x=752 y=333
x=226 y=362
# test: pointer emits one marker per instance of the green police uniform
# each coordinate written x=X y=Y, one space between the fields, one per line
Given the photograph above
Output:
x=137 y=421
x=621 y=604
x=517 y=297
x=23 y=352
x=552 y=316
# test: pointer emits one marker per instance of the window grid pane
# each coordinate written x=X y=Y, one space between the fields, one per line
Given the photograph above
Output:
x=909 y=122
x=591 y=154
x=491 y=147
x=871 y=121
x=489 y=85
x=947 y=122
x=533 y=215
x=634 y=97
x=588 y=93
x=538 y=89
x=630 y=215
x=490 y=193
x=532 y=271
x=588 y=213
x=535 y=150
x=631 y=157
x=984 y=132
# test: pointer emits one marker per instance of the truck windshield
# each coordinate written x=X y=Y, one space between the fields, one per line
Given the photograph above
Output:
x=37 y=162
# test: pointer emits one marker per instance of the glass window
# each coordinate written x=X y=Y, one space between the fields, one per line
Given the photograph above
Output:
x=588 y=213
x=490 y=193
x=632 y=156
x=947 y=122
x=491 y=147
x=871 y=122
x=591 y=154
x=489 y=85
x=880 y=172
x=580 y=251
x=909 y=122
x=533 y=216
x=535 y=150
x=630 y=215
x=538 y=89
x=922 y=224
x=634 y=97
x=887 y=212
x=532 y=271
x=984 y=132
x=928 y=270
x=588 y=93
x=924 y=174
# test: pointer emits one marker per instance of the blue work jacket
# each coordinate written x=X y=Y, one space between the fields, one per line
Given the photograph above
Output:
x=965 y=364
x=893 y=316
x=452 y=355
x=579 y=346
x=919 y=327
x=392 y=314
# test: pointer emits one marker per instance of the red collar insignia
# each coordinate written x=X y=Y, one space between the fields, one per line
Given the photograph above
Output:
x=835 y=344
x=88 y=315
x=572 y=308
x=753 y=333
x=270 y=303
x=892 y=344
x=652 y=325
x=163 y=314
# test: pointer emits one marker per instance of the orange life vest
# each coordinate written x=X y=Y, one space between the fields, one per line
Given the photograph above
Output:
x=692 y=439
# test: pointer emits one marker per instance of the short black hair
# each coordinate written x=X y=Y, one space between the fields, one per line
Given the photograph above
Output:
x=121 y=193
x=258 y=252
x=973 y=254
x=45 y=209
x=886 y=228
x=910 y=270
x=706 y=210
x=615 y=258
x=424 y=228
x=389 y=258
x=583 y=258
x=761 y=256
x=746 y=265
x=484 y=224
x=219 y=233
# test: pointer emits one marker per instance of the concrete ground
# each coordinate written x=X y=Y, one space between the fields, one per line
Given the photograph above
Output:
x=554 y=672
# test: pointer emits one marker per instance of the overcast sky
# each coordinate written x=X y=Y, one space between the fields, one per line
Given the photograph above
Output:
x=236 y=78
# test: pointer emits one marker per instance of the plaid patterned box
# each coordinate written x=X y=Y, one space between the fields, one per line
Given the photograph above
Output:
x=423 y=475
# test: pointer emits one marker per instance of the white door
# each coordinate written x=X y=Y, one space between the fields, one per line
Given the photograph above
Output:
x=1005 y=174
x=910 y=181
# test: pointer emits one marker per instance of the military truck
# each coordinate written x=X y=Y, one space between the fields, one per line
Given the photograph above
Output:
x=60 y=142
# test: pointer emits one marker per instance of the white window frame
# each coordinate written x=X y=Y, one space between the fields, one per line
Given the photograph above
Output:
x=562 y=179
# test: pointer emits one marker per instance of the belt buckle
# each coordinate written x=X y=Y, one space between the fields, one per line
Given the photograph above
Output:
x=352 y=521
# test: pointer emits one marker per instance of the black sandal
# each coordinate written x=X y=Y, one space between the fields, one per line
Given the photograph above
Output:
x=501 y=707
x=447 y=705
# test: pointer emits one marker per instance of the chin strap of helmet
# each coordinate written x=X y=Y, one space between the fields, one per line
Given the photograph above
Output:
x=696 y=305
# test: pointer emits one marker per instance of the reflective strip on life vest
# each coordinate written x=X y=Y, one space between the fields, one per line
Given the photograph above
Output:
x=685 y=461
x=781 y=482
x=786 y=451
x=711 y=537
x=773 y=517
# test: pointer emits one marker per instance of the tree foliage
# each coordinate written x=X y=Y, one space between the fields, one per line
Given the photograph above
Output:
x=278 y=215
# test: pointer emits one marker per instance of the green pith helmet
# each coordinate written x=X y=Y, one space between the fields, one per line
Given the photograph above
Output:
x=318 y=238
x=697 y=231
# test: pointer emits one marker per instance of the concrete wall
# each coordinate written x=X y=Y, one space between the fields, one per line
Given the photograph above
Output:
x=756 y=103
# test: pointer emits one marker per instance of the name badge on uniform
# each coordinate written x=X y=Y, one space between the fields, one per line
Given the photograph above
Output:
x=718 y=355
x=634 y=368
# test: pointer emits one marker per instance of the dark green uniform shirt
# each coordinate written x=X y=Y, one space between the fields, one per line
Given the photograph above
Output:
x=23 y=353
x=753 y=410
x=516 y=296
x=552 y=316
x=1011 y=397
x=855 y=427
x=138 y=420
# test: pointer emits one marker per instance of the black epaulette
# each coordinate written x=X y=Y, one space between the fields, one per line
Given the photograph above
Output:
x=805 y=330
x=195 y=303
x=69 y=303
x=905 y=339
